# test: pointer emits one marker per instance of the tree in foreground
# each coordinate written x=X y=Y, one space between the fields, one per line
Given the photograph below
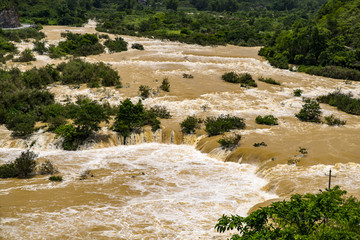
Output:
x=325 y=215
x=310 y=111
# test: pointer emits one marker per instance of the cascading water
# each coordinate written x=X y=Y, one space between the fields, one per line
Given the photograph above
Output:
x=157 y=191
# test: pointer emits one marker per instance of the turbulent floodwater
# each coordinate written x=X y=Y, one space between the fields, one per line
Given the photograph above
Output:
x=158 y=191
x=151 y=191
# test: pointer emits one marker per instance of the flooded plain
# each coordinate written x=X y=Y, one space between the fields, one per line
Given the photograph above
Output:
x=159 y=190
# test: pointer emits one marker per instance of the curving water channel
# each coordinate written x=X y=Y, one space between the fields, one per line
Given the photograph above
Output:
x=165 y=191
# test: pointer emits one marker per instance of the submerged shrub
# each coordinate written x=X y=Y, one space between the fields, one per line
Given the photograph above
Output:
x=223 y=123
x=260 y=144
x=268 y=80
x=165 y=85
x=160 y=112
x=39 y=47
x=298 y=92
x=267 y=120
x=25 y=56
x=190 y=124
x=47 y=168
x=25 y=164
x=144 y=91
x=310 y=111
x=56 y=178
x=186 y=75
x=244 y=79
x=117 y=45
x=8 y=170
x=137 y=46
x=343 y=102
x=230 y=141
x=333 y=121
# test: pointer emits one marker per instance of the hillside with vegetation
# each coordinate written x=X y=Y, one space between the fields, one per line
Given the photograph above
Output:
x=326 y=45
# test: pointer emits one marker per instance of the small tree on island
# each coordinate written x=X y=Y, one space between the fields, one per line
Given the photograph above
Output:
x=310 y=111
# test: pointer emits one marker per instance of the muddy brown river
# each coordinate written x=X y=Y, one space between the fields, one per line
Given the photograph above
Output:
x=165 y=185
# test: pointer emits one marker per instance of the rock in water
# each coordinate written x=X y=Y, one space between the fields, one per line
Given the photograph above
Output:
x=9 y=18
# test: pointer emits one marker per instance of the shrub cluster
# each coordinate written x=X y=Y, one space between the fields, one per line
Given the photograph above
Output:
x=223 y=123
x=343 y=102
x=245 y=78
x=55 y=178
x=132 y=117
x=230 y=141
x=137 y=46
x=187 y=75
x=297 y=92
x=117 y=45
x=269 y=80
x=25 y=56
x=267 y=120
x=333 y=121
x=160 y=112
x=165 y=85
x=77 y=45
x=144 y=91
x=22 y=167
x=310 y=111
x=332 y=72
x=190 y=124
x=78 y=71
x=260 y=144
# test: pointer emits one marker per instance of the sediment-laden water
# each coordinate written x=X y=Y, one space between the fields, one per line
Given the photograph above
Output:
x=159 y=191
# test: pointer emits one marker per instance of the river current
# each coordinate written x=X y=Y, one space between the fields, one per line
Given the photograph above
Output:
x=167 y=186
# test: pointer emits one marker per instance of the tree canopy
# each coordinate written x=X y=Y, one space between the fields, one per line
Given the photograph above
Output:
x=325 y=215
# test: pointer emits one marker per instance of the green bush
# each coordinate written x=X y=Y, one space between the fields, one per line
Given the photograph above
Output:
x=131 y=118
x=165 y=85
x=269 y=80
x=25 y=164
x=190 y=124
x=297 y=92
x=8 y=170
x=137 y=46
x=55 y=178
x=310 y=111
x=40 y=47
x=25 y=56
x=230 y=141
x=332 y=72
x=333 y=121
x=144 y=91
x=223 y=123
x=186 y=75
x=21 y=124
x=325 y=215
x=343 y=102
x=244 y=79
x=267 y=120
x=260 y=144
x=117 y=45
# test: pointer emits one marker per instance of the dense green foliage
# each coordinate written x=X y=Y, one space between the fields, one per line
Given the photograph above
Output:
x=77 y=45
x=78 y=71
x=24 y=101
x=344 y=102
x=223 y=123
x=22 y=167
x=322 y=216
x=267 y=120
x=117 y=45
x=310 y=111
x=137 y=46
x=244 y=78
x=160 y=112
x=165 y=85
x=55 y=178
x=132 y=117
x=297 y=92
x=190 y=124
x=87 y=116
x=329 y=39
